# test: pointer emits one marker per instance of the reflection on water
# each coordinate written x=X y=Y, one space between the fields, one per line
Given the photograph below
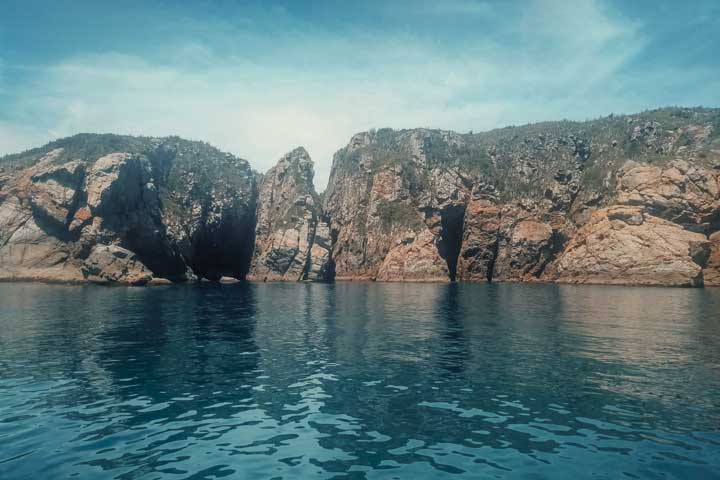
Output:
x=359 y=381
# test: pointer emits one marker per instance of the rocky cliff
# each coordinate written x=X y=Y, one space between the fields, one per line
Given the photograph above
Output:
x=619 y=200
x=108 y=208
x=626 y=199
x=292 y=241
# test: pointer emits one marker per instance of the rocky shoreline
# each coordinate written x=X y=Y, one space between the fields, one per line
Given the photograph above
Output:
x=626 y=200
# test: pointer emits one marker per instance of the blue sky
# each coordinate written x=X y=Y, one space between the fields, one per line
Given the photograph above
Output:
x=258 y=78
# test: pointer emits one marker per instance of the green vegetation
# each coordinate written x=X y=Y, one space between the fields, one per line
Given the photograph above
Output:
x=84 y=146
x=521 y=160
x=398 y=213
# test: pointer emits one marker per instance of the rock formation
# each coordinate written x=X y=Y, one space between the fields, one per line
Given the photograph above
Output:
x=712 y=270
x=292 y=242
x=534 y=203
x=625 y=245
x=114 y=209
x=398 y=219
x=623 y=199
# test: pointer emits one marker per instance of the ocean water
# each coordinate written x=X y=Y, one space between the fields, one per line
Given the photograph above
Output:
x=359 y=381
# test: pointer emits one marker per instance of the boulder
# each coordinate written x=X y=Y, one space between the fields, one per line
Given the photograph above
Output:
x=114 y=264
x=228 y=280
x=625 y=245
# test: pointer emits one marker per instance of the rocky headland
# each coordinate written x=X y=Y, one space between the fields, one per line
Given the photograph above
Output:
x=620 y=200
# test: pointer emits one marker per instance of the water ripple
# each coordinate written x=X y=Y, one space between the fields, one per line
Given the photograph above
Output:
x=359 y=381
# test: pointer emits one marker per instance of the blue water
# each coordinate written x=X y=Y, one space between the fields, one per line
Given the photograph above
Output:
x=354 y=381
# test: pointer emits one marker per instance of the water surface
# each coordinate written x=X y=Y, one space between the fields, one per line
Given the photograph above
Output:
x=359 y=381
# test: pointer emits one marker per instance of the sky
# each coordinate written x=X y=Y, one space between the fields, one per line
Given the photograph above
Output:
x=259 y=78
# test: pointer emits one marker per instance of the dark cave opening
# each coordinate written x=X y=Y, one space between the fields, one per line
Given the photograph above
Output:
x=493 y=258
x=224 y=251
x=452 y=222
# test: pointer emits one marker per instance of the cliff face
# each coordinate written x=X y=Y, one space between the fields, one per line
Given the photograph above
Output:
x=106 y=208
x=394 y=214
x=619 y=200
x=292 y=242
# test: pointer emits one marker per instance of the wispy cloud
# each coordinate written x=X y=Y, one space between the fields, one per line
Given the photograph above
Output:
x=259 y=94
x=433 y=8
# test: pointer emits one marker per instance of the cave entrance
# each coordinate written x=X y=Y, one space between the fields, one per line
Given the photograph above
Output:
x=451 y=236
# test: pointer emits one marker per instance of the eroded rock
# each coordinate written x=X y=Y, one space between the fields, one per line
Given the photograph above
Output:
x=524 y=252
x=712 y=270
x=480 y=241
x=678 y=192
x=74 y=213
x=291 y=242
x=547 y=202
x=625 y=245
x=114 y=264
x=414 y=258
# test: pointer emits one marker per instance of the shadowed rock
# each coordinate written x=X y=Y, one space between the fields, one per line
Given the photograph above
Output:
x=113 y=209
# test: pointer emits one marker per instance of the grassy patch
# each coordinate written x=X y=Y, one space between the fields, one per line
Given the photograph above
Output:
x=398 y=214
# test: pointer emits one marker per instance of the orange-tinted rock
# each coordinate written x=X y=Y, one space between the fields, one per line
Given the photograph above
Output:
x=525 y=252
x=624 y=245
x=414 y=258
x=480 y=241
x=712 y=269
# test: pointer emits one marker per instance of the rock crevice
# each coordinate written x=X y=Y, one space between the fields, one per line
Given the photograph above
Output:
x=291 y=240
x=623 y=199
x=80 y=210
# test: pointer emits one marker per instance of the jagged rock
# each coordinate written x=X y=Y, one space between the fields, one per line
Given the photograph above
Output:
x=563 y=201
x=476 y=262
x=386 y=189
x=624 y=245
x=533 y=188
x=414 y=258
x=524 y=251
x=291 y=243
x=113 y=264
x=679 y=192
x=54 y=191
x=320 y=266
x=66 y=204
x=711 y=273
x=27 y=252
x=209 y=207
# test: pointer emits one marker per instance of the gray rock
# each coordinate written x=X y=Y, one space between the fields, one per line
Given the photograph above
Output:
x=291 y=242
x=113 y=264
